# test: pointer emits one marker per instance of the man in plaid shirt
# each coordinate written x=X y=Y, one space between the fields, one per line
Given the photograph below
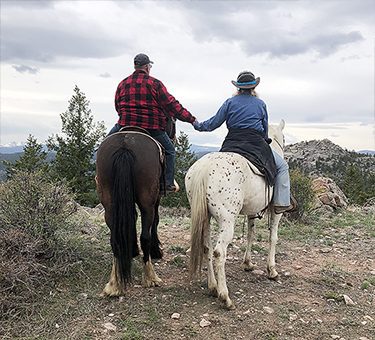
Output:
x=142 y=100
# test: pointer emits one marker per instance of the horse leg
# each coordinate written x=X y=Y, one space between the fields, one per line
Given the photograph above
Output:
x=271 y=264
x=149 y=277
x=246 y=264
x=114 y=287
x=155 y=250
x=226 y=225
x=211 y=280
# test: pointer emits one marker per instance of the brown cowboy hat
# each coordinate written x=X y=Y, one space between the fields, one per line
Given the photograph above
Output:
x=246 y=80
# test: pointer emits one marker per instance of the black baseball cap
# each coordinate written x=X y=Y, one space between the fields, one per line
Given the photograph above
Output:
x=142 y=59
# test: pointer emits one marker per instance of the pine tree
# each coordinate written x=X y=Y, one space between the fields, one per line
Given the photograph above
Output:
x=353 y=184
x=75 y=150
x=32 y=159
x=184 y=160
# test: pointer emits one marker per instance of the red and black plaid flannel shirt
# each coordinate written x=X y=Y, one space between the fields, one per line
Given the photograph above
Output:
x=142 y=100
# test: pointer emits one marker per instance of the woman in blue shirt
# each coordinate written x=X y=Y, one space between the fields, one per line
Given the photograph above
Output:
x=246 y=118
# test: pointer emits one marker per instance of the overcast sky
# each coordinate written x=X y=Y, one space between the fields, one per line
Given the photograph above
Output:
x=315 y=60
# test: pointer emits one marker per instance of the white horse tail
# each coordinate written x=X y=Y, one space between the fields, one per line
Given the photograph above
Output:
x=199 y=221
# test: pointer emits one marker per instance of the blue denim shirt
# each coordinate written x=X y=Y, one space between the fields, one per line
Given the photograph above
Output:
x=241 y=111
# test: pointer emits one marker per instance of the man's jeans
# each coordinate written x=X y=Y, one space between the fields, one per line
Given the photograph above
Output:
x=170 y=153
x=281 y=192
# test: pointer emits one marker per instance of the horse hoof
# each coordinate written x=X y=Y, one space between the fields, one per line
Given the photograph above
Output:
x=152 y=283
x=273 y=274
x=230 y=305
x=110 y=291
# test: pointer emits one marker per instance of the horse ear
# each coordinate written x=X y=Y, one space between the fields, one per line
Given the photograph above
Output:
x=282 y=124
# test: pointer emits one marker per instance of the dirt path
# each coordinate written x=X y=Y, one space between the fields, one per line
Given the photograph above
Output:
x=318 y=264
x=305 y=303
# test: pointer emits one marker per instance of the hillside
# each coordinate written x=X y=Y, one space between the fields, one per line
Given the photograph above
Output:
x=324 y=158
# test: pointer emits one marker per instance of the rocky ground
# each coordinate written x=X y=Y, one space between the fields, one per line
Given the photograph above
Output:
x=325 y=289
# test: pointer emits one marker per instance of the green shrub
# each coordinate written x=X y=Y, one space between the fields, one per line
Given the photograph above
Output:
x=301 y=189
x=34 y=204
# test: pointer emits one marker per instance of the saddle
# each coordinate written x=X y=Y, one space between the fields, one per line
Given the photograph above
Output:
x=142 y=131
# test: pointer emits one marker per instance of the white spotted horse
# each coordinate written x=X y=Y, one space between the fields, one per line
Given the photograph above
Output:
x=128 y=173
x=224 y=185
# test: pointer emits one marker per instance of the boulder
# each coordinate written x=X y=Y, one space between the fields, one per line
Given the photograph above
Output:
x=328 y=193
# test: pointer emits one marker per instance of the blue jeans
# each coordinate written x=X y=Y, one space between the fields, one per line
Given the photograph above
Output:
x=170 y=153
x=116 y=128
x=281 y=192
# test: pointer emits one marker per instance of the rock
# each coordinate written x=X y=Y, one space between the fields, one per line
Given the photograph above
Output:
x=110 y=326
x=268 y=310
x=175 y=316
x=325 y=250
x=328 y=193
x=82 y=296
x=348 y=300
x=363 y=338
x=334 y=336
x=293 y=317
x=204 y=323
x=258 y=272
x=368 y=317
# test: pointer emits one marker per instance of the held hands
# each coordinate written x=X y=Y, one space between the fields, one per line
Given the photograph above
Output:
x=196 y=125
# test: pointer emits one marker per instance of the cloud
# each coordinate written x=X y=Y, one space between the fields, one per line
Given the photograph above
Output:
x=25 y=69
x=276 y=29
x=105 y=75
x=48 y=31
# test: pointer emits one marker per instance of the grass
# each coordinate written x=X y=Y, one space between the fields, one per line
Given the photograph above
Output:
x=368 y=283
x=338 y=225
x=178 y=261
x=177 y=249
x=130 y=331
x=330 y=295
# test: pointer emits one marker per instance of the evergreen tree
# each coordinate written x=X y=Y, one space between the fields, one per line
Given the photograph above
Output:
x=353 y=184
x=32 y=159
x=184 y=160
x=75 y=150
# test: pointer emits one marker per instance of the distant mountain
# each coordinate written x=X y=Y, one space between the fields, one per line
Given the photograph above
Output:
x=367 y=152
x=11 y=149
x=201 y=150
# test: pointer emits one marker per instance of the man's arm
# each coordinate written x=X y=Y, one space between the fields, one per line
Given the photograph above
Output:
x=171 y=105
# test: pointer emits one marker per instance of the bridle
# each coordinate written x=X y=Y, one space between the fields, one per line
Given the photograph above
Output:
x=278 y=143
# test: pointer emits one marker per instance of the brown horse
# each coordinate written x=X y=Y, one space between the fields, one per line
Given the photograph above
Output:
x=128 y=173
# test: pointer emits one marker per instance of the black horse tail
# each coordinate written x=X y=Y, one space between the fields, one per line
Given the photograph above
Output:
x=124 y=214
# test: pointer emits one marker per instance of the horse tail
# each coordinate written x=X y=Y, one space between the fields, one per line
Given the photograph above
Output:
x=124 y=214
x=199 y=221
